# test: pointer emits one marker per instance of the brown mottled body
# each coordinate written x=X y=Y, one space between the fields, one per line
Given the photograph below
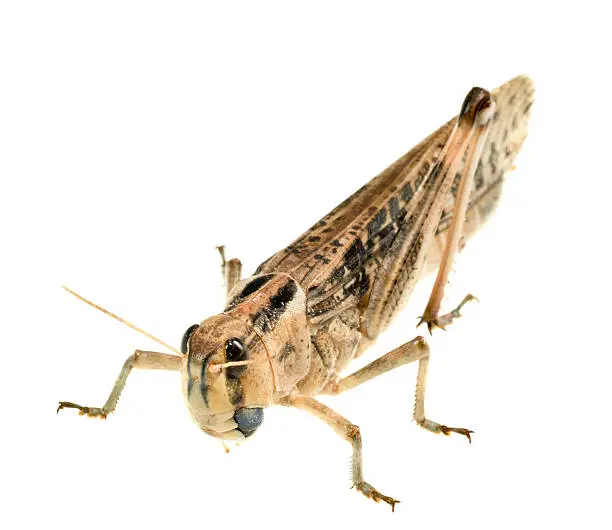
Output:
x=338 y=260
x=288 y=331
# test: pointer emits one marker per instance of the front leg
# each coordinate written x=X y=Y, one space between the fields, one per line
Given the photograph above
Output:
x=231 y=270
x=349 y=432
x=145 y=360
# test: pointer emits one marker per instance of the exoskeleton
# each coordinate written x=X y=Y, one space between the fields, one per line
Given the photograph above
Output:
x=288 y=331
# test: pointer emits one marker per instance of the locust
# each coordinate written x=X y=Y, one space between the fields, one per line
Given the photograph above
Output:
x=289 y=331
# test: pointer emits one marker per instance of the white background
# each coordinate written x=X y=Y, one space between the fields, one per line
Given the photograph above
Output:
x=136 y=136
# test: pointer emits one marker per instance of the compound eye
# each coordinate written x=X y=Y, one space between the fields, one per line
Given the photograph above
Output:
x=236 y=350
x=248 y=420
x=186 y=336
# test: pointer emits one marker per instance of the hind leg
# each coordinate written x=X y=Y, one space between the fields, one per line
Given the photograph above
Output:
x=473 y=155
x=406 y=259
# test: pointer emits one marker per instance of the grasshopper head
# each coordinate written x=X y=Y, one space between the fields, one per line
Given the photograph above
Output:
x=227 y=379
x=248 y=357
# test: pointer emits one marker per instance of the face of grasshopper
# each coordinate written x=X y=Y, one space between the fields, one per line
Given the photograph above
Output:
x=226 y=400
x=241 y=361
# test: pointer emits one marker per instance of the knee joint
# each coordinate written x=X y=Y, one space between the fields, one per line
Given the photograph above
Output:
x=354 y=432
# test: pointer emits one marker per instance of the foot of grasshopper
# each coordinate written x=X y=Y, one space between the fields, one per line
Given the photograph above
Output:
x=92 y=412
x=372 y=493
x=434 y=427
x=444 y=320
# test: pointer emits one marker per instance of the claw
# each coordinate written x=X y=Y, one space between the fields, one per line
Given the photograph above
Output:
x=67 y=405
x=91 y=412
x=375 y=495
x=431 y=324
x=443 y=321
x=447 y=430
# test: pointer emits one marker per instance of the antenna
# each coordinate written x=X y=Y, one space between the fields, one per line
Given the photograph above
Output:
x=221 y=366
x=106 y=312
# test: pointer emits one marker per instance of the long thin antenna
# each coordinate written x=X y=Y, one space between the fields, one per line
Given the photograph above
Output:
x=221 y=366
x=121 y=320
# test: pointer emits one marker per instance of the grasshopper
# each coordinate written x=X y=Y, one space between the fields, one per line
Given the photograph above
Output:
x=288 y=331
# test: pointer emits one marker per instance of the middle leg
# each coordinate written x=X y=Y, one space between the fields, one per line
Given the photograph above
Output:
x=415 y=350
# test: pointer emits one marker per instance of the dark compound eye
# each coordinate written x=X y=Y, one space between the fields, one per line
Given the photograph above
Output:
x=186 y=335
x=235 y=350
x=248 y=420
